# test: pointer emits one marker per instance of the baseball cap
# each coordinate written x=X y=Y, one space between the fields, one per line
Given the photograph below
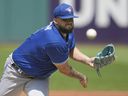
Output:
x=64 y=11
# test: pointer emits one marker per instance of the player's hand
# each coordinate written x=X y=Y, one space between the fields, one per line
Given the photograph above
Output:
x=84 y=81
x=91 y=62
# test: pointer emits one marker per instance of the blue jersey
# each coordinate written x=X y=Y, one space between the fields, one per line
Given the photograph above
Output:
x=44 y=48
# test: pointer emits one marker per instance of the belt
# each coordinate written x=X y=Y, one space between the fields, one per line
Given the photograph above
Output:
x=16 y=67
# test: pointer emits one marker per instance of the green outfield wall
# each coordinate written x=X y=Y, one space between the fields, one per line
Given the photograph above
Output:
x=19 y=18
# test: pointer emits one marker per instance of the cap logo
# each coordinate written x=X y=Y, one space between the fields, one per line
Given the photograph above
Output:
x=69 y=9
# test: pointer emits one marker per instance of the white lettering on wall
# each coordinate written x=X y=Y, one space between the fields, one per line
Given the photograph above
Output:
x=103 y=11
x=116 y=9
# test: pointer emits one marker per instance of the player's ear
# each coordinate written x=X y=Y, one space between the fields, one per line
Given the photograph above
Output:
x=55 y=20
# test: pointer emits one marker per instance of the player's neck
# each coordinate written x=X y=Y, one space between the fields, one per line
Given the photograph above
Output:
x=63 y=34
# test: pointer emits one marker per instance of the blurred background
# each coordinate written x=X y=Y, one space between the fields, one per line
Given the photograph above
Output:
x=20 y=18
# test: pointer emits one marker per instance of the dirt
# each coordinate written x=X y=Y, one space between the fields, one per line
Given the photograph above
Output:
x=83 y=93
x=79 y=93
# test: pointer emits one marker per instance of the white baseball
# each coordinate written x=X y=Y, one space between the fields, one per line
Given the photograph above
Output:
x=91 y=33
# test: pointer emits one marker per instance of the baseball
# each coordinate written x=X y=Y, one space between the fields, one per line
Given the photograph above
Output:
x=91 y=33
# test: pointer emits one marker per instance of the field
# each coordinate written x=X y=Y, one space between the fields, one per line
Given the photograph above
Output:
x=114 y=77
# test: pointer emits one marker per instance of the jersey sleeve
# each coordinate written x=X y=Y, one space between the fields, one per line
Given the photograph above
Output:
x=58 y=53
x=72 y=41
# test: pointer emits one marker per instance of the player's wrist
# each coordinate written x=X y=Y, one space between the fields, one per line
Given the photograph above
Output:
x=90 y=62
x=82 y=77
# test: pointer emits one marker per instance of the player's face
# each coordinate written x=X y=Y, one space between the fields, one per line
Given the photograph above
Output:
x=65 y=25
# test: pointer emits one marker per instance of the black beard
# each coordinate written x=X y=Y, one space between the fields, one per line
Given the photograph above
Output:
x=64 y=30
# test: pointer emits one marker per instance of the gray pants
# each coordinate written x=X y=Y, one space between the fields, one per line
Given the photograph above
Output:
x=12 y=83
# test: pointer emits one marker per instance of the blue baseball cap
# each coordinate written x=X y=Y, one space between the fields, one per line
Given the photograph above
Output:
x=64 y=11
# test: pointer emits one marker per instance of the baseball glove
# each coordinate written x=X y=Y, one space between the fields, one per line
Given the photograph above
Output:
x=104 y=57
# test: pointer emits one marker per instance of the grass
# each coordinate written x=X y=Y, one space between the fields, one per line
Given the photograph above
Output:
x=114 y=76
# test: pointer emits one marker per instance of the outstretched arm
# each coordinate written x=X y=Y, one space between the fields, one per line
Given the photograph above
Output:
x=79 y=56
x=66 y=69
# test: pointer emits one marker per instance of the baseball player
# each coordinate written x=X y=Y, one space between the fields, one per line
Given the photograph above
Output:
x=29 y=67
